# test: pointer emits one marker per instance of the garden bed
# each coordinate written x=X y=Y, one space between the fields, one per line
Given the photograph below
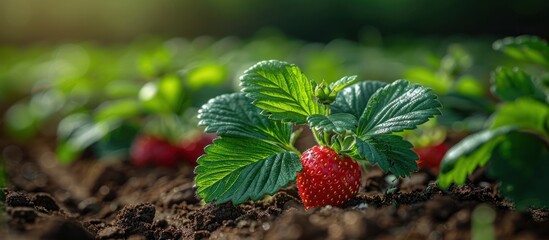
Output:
x=107 y=200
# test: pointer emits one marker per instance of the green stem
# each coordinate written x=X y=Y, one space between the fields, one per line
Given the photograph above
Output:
x=326 y=110
x=286 y=146
x=326 y=138
x=293 y=149
x=318 y=139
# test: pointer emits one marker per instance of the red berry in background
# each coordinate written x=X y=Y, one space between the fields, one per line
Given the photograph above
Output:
x=193 y=148
x=151 y=150
x=430 y=157
x=327 y=178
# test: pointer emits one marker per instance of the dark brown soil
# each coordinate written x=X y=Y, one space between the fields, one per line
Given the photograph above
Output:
x=113 y=200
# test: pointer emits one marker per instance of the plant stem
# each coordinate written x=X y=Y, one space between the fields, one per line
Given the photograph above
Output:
x=318 y=139
x=291 y=148
x=326 y=110
x=288 y=147
x=326 y=138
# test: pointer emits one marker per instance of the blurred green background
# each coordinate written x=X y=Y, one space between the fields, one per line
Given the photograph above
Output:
x=88 y=73
x=24 y=21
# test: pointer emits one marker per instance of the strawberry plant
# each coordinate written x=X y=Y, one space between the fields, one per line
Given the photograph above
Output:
x=515 y=144
x=156 y=126
x=353 y=123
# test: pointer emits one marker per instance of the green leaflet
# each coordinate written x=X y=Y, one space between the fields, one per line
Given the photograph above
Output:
x=440 y=83
x=367 y=151
x=342 y=83
x=250 y=159
x=76 y=132
x=339 y=122
x=118 y=109
x=525 y=48
x=165 y=95
x=391 y=152
x=382 y=109
x=524 y=114
x=520 y=163
x=396 y=107
x=281 y=90
x=511 y=84
x=237 y=169
x=470 y=153
x=234 y=115
x=353 y=99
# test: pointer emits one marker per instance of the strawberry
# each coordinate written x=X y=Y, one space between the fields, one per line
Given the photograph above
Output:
x=430 y=157
x=193 y=148
x=327 y=178
x=151 y=150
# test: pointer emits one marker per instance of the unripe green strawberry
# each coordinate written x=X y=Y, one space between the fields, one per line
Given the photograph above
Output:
x=327 y=178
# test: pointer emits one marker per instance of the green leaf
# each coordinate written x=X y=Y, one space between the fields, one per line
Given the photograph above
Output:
x=391 y=152
x=117 y=142
x=77 y=133
x=171 y=89
x=470 y=86
x=521 y=164
x=367 y=151
x=234 y=115
x=342 y=83
x=163 y=96
x=281 y=90
x=463 y=158
x=353 y=99
x=207 y=74
x=524 y=48
x=117 y=109
x=338 y=122
x=237 y=169
x=397 y=107
x=525 y=114
x=122 y=89
x=511 y=84
x=440 y=83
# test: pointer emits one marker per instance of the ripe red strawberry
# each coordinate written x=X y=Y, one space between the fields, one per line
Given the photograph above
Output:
x=430 y=157
x=193 y=148
x=327 y=178
x=151 y=150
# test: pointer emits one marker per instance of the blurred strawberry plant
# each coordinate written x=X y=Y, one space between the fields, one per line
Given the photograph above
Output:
x=515 y=144
x=149 y=126
x=463 y=95
x=102 y=95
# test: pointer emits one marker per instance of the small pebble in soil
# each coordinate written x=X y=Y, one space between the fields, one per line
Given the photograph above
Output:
x=184 y=193
x=162 y=223
x=89 y=206
x=106 y=193
x=361 y=206
x=266 y=226
x=292 y=204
